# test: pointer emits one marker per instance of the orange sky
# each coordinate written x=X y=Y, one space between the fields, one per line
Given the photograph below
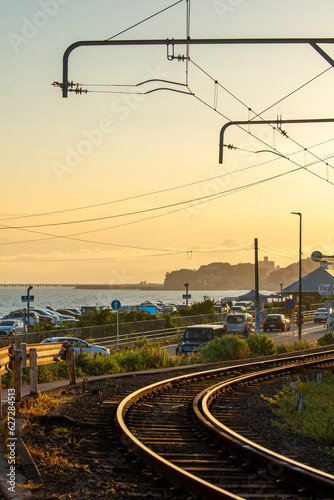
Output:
x=117 y=187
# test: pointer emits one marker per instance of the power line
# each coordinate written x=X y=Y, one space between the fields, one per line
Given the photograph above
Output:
x=144 y=20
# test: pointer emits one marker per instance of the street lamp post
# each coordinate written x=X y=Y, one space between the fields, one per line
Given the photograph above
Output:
x=281 y=285
x=300 y=275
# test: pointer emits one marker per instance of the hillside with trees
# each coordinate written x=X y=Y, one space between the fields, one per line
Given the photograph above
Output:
x=225 y=276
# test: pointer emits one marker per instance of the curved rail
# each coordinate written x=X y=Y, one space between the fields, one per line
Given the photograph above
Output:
x=297 y=473
x=191 y=482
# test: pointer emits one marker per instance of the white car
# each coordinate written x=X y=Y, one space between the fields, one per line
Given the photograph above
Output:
x=321 y=315
x=79 y=345
x=11 y=326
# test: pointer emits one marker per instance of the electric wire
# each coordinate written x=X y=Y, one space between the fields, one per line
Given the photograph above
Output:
x=138 y=212
x=264 y=121
x=293 y=92
x=144 y=20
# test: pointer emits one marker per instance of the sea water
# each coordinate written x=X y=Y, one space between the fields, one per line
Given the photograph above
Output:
x=66 y=297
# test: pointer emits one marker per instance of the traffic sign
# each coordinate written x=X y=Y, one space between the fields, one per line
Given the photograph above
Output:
x=186 y=296
x=289 y=304
x=316 y=256
x=328 y=304
x=115 y=304
x=27 y=298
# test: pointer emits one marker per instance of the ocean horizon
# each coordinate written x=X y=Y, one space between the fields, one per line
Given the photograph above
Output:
x=67 y=297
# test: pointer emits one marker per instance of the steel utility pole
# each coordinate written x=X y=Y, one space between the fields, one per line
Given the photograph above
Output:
x=257 y=296
x=300 y=275
x=276 y=122
x=171 y=43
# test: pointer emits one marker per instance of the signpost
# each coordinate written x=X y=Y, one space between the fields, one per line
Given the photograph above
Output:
x=27 y=298
x=115 y=305
x=290 y=304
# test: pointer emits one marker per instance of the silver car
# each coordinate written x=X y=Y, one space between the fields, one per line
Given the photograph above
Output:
x=10 y=327
x=239 y=323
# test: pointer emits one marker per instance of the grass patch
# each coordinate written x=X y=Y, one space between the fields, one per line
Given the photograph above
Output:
x=316 y=420
x=146 y=356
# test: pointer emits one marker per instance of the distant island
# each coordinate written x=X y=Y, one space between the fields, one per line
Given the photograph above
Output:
x=221 y=276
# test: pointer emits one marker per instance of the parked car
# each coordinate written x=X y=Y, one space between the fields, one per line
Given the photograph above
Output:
x=276 y=322
x=49 y=314
x=62 y=317
x=197 y=336
x=42 y=318
x=10 y=327
x=69 y=312
x=239 y=323
x=79 y=344
x=20 y=315
x=321 y=315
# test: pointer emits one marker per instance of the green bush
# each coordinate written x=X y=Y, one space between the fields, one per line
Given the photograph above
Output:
x=261 y=345
x=326 y=339
x=225 y=348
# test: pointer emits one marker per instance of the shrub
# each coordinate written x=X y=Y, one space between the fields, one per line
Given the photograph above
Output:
x=261 y=345
x=224 y=349
x=326 y=339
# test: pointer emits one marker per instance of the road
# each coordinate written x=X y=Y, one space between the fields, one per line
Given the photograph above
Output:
x=311 y=332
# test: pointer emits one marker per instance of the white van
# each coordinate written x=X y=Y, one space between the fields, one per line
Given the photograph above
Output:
x=239 y=323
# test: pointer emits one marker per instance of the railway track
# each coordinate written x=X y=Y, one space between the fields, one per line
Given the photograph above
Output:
x=177 y=428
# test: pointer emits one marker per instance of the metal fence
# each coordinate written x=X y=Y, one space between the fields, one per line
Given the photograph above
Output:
x=130 y=334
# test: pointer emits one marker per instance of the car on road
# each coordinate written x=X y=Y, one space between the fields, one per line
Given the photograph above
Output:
x=321 y=315
x=197 y=336
x=79 y=345
x=276 y=322
x=239 y=323
x=238 y=309
x=247 y=304
x=10 y=327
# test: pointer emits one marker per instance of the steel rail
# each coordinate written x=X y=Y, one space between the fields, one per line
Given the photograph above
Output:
x=301 y=475
x=177 y=475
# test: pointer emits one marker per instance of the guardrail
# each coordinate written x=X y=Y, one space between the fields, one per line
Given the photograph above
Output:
x=31 y=356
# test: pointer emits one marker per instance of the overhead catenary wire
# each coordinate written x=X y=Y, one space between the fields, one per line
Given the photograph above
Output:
x=145 y=20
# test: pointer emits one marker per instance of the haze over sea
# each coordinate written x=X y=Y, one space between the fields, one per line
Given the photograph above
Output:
x=63 y=297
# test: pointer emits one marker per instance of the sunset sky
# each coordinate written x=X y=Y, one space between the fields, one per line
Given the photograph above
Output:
x=123 y=184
